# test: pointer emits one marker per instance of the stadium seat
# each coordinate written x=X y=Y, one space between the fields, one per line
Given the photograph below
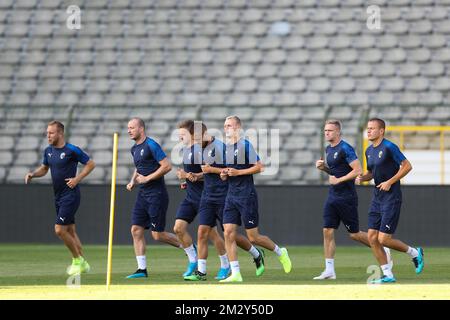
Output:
x=408 y=69
x=16 y=174
x=6 y=158
x=237 y=99
x=27 y=158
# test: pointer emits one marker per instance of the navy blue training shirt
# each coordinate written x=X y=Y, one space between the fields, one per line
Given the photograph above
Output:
x=63 y=164
x=215 y=189
x=146 y=157
x=192 y=161
x=384 y=162
x=338 y=159
x=241 y=155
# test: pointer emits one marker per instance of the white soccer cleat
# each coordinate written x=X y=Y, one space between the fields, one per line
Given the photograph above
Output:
x=389 y=257
x=325 y=276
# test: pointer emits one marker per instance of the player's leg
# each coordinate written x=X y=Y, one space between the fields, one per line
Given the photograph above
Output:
x=166 y=237
x=250 y=215
x=79 y=264
x=329 y=243
x=85 y=267
x=157 y=210
x=381 y=256
x=138 y=234
x=331 y=221
x=231 y=221
x=62 y=231
x=180 y=229
x=243 y=243
x=219 y=244
x=374 y=225
x=202 y=251
x=67 y=206
x=329 y=248
x=361 y=237
x=389 y=222
x=206 y=221
x=217 y=240
x=230 y=231
x=139 y=245
x=185 y=215
x=256 y=253
x=73 y=232
x=140 y=221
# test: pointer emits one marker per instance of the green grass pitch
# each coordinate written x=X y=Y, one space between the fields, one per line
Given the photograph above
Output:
x=38 y=271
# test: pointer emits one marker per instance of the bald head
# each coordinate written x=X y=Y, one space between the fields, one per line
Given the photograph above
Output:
x=136 y=128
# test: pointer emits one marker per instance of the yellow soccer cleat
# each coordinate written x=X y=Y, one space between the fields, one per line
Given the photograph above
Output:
x=236 y=277
x=285 y=260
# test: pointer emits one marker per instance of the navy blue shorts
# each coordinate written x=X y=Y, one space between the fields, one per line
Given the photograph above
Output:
x=384 y=216
x=242 y=208
x=66 y=207
x=210 y=212
x=187 y=210
x=150 y=210
x=345 y=210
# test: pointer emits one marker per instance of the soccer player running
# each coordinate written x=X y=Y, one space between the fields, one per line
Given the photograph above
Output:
x=386 y=165
x=242 y=201
x=62 y=158
x=343 y=166
x=211 y=209
x=187 y=211
x=150 y=209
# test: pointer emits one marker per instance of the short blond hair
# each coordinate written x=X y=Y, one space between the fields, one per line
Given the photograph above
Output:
x=335 y=122
x=58 y=125
x=235 y=118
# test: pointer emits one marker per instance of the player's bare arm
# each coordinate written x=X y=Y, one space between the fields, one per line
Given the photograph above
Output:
x=356 y=171
x=194 y=177
x=210 y=169
x=198 y=176
x=181 y=174
x=132 y=182
x=72 y=182
x=164 y=168
x=224 y=174
x=39 y=172
x=256 y=168
x=320 y=164
x=364 y=177
x=405 y=168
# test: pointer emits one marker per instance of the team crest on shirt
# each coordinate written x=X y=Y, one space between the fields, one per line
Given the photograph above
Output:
x=142 y=152
x=49 y=155
x=380 y=154
x=62 y=156
x=335 y=155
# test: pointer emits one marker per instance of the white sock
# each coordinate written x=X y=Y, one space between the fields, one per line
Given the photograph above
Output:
x=413 y=253
x=224 y=262
x=277 y=250
x=192 y=255
x=254 y=252
x=329 y=265
x=142 y=262
x=201 y=265
x=235 y=267
x=386 y=268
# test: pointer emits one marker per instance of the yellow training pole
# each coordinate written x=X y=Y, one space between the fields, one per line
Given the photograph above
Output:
x=442 y=150
x=111 y=211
